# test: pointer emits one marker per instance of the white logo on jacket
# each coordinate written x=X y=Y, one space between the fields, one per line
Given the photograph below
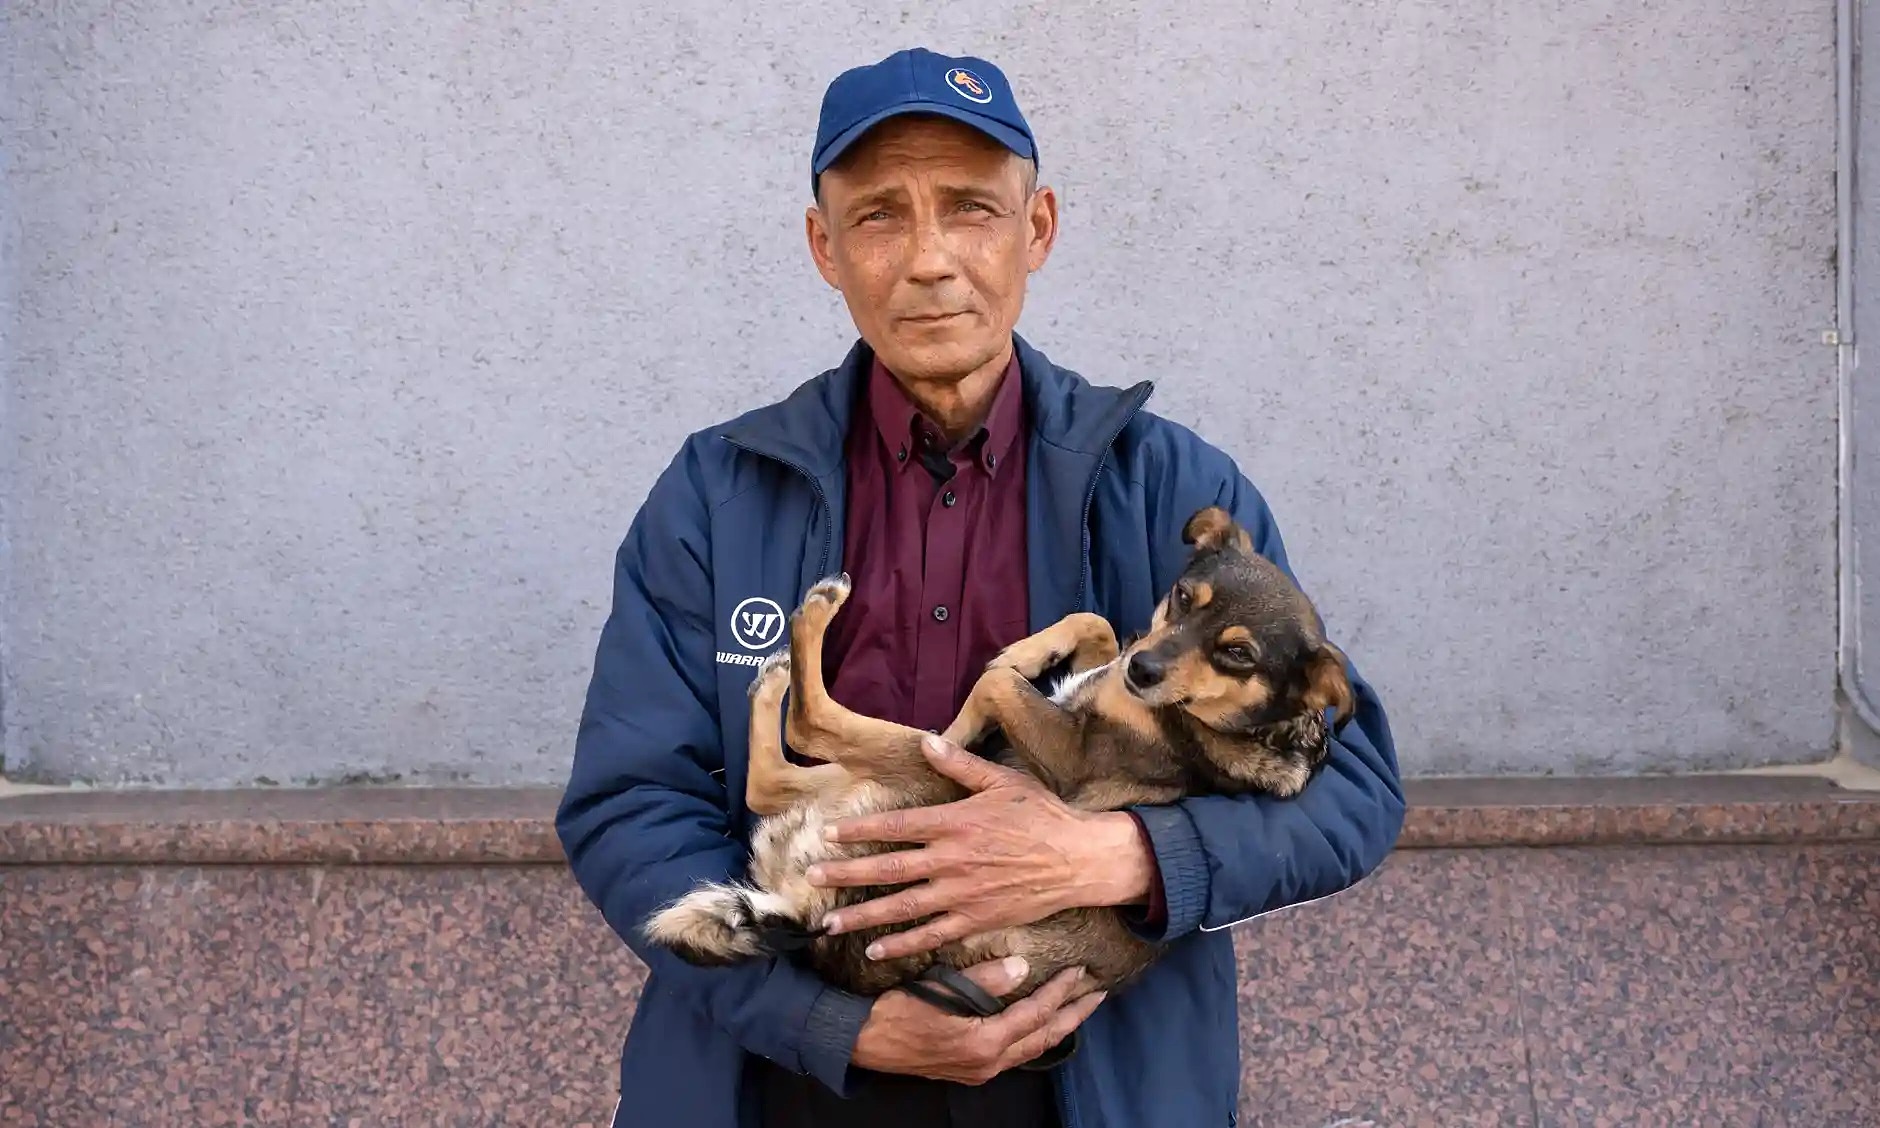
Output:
x=757 y=623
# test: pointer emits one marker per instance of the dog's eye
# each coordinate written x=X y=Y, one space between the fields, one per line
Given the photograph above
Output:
x=1182 y=599
x=1237 y=653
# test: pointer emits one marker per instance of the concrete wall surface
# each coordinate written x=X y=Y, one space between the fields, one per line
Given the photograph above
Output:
x=338 y=343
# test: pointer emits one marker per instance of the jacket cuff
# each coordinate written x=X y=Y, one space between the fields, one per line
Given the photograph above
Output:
x=1183 y=868
x=1153 y=917
x=835 y=1019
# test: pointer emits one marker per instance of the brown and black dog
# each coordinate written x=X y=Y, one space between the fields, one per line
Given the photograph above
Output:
x=1226 y=693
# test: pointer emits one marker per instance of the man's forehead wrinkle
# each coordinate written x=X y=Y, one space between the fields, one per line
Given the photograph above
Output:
x=896 y=189
x=879 y=194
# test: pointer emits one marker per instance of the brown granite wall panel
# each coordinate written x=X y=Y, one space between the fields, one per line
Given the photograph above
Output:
x=1395 y=1002
x=150 y=997
x=1687 y=986
x=463 y=997
x=1727 y=985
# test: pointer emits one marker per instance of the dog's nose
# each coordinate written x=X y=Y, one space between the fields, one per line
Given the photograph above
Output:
x=1144 y=670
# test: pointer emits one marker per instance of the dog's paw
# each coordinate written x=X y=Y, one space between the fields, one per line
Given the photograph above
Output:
x=833 y=591
x=775 y=665
x=1029 y=657
x=774 y=668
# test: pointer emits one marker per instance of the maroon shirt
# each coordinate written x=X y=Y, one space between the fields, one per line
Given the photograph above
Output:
x=934 y=545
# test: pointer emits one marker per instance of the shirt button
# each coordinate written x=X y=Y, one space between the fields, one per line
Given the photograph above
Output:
x=940 y=614
x=901 y=455
x=991 y=461
x=947 y=499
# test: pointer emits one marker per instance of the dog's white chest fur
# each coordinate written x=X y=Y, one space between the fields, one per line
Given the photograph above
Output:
x=1067 y=689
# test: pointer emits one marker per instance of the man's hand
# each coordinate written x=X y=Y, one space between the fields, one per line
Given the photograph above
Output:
x=906 y=1035
x=1010 y=854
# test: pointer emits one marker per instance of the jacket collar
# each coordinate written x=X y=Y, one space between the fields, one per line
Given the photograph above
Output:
x=1073 y=423
x=807 y=428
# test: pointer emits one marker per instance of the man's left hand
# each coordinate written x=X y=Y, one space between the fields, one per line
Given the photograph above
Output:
x=1009 y=854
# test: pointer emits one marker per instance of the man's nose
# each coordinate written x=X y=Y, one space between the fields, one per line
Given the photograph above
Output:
x=930 y=258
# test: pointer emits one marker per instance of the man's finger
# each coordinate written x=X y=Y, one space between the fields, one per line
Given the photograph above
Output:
x=926 y=938
x=897 y=867
x=1066 y=1019
x=1033 y=1012
x=957 y=764
x=1085 y=987
x=895 y=908
x=917 y=824
x=999 y=977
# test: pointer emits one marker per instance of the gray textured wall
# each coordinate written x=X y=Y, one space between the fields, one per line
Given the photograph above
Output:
x=1864 y=434
x=348 y=336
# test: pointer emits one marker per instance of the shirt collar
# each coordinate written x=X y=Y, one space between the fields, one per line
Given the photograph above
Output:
x=901 y=424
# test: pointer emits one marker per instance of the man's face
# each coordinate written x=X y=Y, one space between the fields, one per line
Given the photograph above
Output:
x=930 y=230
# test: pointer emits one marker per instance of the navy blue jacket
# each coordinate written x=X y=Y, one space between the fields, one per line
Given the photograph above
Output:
x=753 y=509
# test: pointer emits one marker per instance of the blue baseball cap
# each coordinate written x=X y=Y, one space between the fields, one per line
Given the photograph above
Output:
x=918 y=81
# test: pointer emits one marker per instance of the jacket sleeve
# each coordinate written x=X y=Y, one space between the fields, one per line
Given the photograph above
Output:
x=1224 y=860
x=644 y=818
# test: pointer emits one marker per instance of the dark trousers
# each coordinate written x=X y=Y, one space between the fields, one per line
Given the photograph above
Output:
x=1014 y=1099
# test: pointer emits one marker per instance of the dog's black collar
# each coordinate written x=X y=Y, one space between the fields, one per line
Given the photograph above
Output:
x=943 y=987
x=788 y=936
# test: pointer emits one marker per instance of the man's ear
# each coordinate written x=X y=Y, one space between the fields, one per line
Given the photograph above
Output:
x=1214 y=528
x=1041 y=224
x=1326 y=684
x=816 y=231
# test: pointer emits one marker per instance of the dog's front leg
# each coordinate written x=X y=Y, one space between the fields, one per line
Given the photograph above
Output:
x=772 y=783
x=1044 y=736
x=820 y=727
x=1087 y=640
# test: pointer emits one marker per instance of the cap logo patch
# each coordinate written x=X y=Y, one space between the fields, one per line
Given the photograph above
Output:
x=969 y=85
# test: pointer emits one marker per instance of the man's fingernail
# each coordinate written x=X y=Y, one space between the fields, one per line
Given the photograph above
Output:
x=830 y=834
x=874 y=951
x=1098 y=997
x=1015 y=966
x=934 y=744
x=815 y=875
x=832 y=924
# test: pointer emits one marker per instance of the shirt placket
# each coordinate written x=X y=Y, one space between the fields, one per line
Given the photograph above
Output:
x=943 y=584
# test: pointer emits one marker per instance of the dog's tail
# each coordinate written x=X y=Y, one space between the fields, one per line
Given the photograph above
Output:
x=723 y=923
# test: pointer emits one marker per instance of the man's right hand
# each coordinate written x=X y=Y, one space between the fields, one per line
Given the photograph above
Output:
x=905 y=1035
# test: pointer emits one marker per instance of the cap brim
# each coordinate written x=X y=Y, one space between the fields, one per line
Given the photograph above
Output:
x=997 y=130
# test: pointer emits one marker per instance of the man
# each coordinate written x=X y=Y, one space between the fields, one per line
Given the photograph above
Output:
x=975 y=492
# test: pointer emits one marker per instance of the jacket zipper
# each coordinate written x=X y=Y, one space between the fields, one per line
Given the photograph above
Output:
x=1067 y=1113
x=1067 y=1108
x=1090 y=493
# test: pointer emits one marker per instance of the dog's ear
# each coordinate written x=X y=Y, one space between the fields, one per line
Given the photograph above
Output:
x=1326 y=684
x=1213 y=528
